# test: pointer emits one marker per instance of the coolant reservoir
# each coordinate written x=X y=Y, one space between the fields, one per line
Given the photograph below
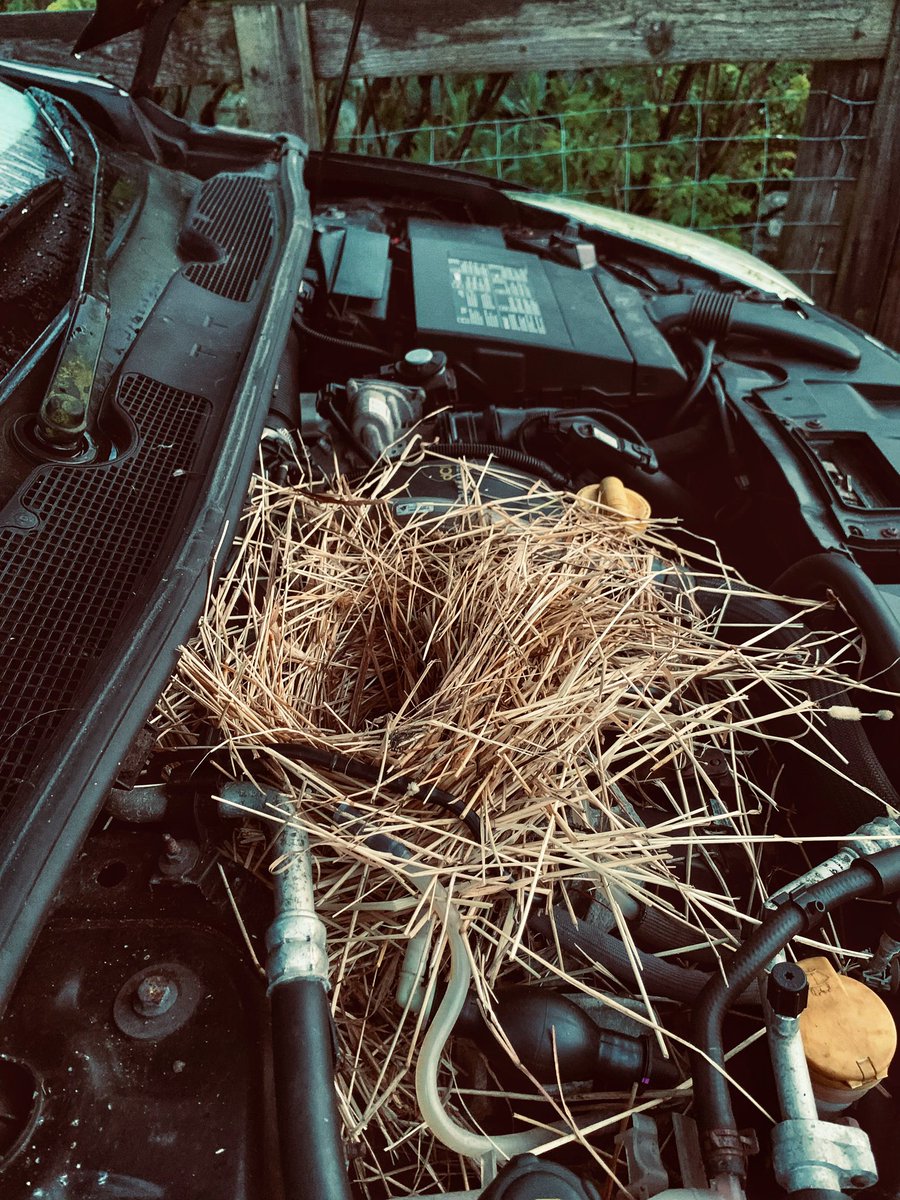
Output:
x=849 y=1036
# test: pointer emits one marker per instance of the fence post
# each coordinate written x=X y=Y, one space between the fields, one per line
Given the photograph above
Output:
x=828 y=161
x=869 y=269
x=277 y=67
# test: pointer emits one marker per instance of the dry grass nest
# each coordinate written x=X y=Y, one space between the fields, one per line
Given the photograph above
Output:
x=556 y=675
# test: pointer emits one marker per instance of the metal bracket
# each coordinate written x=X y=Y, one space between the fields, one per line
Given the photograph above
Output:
x=821 y=1154
x=646 y=1174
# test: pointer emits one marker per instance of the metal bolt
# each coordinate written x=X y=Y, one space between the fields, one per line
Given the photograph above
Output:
x=155 y=995
x=65 y=411
x=813 y=424
x=177 y=858
x=890 y=531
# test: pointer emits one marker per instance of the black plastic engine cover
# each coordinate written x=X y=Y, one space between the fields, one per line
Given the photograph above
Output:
x=521 y=320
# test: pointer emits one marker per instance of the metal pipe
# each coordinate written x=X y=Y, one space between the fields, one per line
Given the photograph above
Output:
x=795 y=1090
x=296 y=938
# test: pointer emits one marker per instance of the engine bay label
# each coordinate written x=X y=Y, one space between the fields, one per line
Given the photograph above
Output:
x=490 y=295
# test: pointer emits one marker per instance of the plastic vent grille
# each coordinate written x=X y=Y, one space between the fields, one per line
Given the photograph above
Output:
x=64 y=586
x=238 y=217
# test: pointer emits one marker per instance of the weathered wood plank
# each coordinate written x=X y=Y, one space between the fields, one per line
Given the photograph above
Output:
x=828 y=162
x=201 y=50
x=277 y=69
x=408 y=37
x=869 y=267
x=420 y=37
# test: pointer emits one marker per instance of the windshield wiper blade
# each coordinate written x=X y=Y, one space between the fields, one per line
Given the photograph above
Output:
x=49 y=111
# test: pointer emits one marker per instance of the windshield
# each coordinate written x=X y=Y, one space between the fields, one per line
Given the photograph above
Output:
x=46 y=190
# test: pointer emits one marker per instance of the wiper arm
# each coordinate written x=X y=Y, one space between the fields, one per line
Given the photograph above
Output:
x=63 y=416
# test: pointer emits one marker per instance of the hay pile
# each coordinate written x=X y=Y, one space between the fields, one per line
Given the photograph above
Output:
x=539 y=672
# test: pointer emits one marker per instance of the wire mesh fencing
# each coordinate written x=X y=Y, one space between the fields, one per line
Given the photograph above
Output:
x=721 y=166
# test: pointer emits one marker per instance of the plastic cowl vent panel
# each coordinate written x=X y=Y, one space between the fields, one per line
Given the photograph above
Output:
x=65 y=585
x=236 y=211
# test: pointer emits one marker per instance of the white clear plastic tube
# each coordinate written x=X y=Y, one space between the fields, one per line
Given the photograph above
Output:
x=436 y=1117
x=411 y=990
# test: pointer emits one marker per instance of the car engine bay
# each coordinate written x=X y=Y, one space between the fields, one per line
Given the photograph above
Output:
x=460 y=400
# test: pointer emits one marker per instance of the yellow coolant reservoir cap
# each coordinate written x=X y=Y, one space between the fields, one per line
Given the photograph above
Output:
x=849 y=1035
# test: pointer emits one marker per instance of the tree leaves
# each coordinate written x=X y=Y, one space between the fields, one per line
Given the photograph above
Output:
x=698 y=145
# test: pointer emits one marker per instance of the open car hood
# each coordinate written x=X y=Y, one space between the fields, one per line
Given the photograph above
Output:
x=114 y=18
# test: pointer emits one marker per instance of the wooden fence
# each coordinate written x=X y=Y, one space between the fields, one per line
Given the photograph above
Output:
x=842 y=225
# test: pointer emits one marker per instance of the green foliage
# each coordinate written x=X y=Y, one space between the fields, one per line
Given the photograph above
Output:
x=18 y=6
x=696 y=145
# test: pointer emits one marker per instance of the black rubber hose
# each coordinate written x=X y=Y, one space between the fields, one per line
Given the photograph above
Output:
x=661 y=978
x=839 y=805
x=707 y=350
x=402 y=785
x=507 y=455
x=876 y=874
x=309 y=1125
x=862 y=599
x=655 y=929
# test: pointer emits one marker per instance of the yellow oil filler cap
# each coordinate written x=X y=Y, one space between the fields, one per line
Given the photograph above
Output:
x=849 y=1036
x=612 y=493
